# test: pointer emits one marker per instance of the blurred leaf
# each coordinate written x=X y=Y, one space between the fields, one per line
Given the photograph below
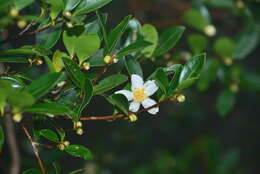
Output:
x=41 y=86
x=57 y=167
x=50 y=108
x=191 y=71
x=250 y=81
x=87 y=6
x=133 y=66
x=14 y=59
x=74 y=72
x=50 y=135
x=56 y=7
x=120 y=102
x=76 y=171
x=71 y=4
x=20 y=99
x=195 y=19
x=150 y=34
x=79 y=151
x=228 y=162
x=224 y=4
x=32 y=171
x=109 y=83
x=2 y=137
x=133 y=48
x=168 y=39
x=225 y=102
x=198 y=43
x=115 y=35
x=20 y=4
x=49 y=64
x=49 y=38
x=224 y=47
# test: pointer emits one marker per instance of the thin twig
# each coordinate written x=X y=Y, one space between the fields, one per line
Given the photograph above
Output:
x=12 y=144
x=100 y=75
x=35 y=150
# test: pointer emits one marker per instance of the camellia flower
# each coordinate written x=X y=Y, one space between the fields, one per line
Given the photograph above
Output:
x=140 y=94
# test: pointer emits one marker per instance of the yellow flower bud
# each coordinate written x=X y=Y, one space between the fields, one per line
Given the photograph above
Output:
x=240 y=4
x=69 y=24
x=179 y=97
x=79 y=131
x=38 y=61
x=85 y=66
x=78 y=124
x=14 y=13
x=234 y=87
x=66 y=143
x=132 y=118
x=228 y=61
x=61 y=146
x=67 y=13
x=21 y=23
x=210 y=30
x=17 y=117
x=110 y=59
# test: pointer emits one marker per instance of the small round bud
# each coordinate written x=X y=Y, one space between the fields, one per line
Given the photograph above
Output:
x=61 y=84
x=115 y=60
x=69 y=24
x=67 y=13
x=240 y=4
x=210 y=30
x=110 y=59
x=61 y=146
x=79 y=131
x=78 y=124
x=132 y=118
x=228 y=61
x=180 y=98
x=85 y=66
x=66 y=143
x=21 y=24
x=234 y=88
x=107 y=59
x=17 y=117
x=50 y=115
x=38 y=61
x=14 y=13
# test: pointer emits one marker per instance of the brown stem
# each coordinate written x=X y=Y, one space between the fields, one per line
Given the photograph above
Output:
x=35 y=150
x=99 y=76
x=15 y=72
x=12 y=144
x=44 y=145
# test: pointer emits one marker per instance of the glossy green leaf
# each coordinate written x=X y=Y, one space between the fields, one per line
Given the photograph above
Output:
x=50 y=135
x=133 y=48
x=133 y=66
x=172 y=69
x=79 y=151
x=175 y=81
x=195 y=19
x=71 y=4
x=20 y=99
x=56 y=7
x=168 y=39
x=120 y=102
x=191 y=71
x=150 y=34
x=98 y=59
x=50 y=108
x=198 y=43
x=14 y=59
x=115 y=35
x=87 y=6
x=161 y=78
x=224 y=47
x=102 y=19
x=32 y=171
x=49 y=64
x=15 y=82
x=76 y=171
x=225 y=102
x=2 y=138
x=49 y=37
x=20 y=51
x=41 y=86
x=57 y=60
x=109 y=83
x=86 y=46
x=74 y=72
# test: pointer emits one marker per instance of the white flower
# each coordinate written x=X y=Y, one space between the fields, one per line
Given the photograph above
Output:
x=140 y=94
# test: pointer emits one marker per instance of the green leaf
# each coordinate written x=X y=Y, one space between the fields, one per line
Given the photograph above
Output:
x=74 y=72
x=87 y=6
x=79 y=151
x=175 y=81
x=15 y=82
x=172 y=69
x=32 y=171
x=109 y=83
x=102 y=19
x=161 y=78
x=116 y=34
x=168 y=39
x=71 y=4
x=56 y=167
x=41 y=86
x=86 y=46
x=133 y=48
x=22 y=51
x=225 y=102
x=2 y=138
x=76 y=171
x=191 y=71
x=50 y=135
x=20 y=4
x=49 y=64
x=50 y=108
x=150 y=34
x=56 y=7
x=133 y=66
x=195 y=19
x=97 y=59
x=120 y=102
x=20 y=99
x=14 y=59
x=224 y=47
x=57 y=60
x=198 y=43
x=49 y=37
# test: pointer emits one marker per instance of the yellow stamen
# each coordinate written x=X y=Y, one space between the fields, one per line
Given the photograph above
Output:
x=139 y=95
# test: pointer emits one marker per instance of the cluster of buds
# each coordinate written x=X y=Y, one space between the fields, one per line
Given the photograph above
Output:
x=179 y=97
x=109 y=59
x=78 y=127
x=62 y=145
x=14 y=13
x=17 y=115
x=85 y=66
x=38 y=61
x=210 y=30
x=132 y=118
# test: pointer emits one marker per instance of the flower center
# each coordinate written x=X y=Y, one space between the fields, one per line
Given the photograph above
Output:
x=139 y=95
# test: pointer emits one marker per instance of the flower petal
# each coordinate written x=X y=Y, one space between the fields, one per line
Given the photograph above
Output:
x=148 y=103
x=134 y=106
x=137 y=82
x=150 y=87
x=126 y=93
